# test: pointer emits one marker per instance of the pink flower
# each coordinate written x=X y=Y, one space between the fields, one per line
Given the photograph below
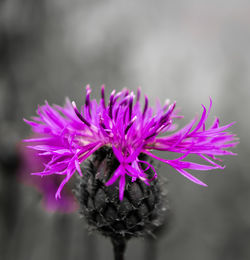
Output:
x=68 y=136
x=47 y=186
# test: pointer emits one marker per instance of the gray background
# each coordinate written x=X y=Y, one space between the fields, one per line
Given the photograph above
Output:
x=182 y=50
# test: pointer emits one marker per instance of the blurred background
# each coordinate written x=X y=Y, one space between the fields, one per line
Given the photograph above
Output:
x=181 y=50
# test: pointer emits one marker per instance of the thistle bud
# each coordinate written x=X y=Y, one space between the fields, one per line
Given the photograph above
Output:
x=142 y=210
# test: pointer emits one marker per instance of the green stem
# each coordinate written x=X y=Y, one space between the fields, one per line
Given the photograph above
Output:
x=119 y=246
x=150 y=249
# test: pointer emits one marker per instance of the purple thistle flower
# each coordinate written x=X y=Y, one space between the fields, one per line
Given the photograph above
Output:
x=68 y=136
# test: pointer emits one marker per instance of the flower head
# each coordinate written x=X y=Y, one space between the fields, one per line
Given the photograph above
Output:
x=68 y=136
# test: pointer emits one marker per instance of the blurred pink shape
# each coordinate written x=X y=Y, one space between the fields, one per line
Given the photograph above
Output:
x=46 y=185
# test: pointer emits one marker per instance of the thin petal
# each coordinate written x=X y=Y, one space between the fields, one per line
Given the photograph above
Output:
x=122 y=186
x=191 y=177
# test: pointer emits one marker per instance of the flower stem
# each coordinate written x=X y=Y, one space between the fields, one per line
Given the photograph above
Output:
x=119 y=246
x=150 y=249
